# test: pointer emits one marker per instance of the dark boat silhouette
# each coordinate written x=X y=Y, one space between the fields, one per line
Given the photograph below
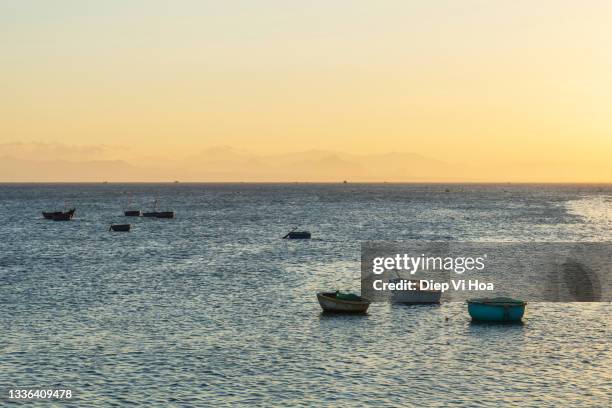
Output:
x=120 y=227
x=62 y=217
x=59 y=215
x=293 y=234
x=49 y=215
x=132 y=213
x=158 y=214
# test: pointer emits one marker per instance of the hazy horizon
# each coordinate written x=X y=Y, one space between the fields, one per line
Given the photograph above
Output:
x=40 y=162
x=479 y=91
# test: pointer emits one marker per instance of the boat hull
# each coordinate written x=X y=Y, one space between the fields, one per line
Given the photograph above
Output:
x=132 y=213
x=332 y=305
x=121 y=227
x=298 y=235
x=62 y=217
x=503 y=313
x=59 y=215
x=159 y=214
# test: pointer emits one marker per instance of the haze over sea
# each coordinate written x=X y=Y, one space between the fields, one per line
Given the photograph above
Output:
x=213 y=308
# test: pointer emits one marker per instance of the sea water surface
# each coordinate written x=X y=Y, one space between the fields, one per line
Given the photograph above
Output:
x=213 y=308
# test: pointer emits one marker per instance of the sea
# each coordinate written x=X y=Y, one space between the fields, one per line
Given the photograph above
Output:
x=213 y=308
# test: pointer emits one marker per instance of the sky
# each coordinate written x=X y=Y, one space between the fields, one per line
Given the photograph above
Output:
x=488 y=84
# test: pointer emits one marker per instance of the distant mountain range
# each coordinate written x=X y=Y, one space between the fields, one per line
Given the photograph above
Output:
x=226 y=163
x=12 y=169
x=218 y=164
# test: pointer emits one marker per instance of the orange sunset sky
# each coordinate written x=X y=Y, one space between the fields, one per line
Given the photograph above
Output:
x=517 y=91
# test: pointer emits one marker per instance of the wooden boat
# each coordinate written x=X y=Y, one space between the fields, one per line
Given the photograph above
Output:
x=297 y=235
x=59 y=214
x=416 y=296
x=336 y=302
x=499 y=309
x=132 y=213
x=62 y=216
x=120 y=227
x=159 y=214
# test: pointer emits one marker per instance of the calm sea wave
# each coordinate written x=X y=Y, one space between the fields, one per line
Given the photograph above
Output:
x=213 y=308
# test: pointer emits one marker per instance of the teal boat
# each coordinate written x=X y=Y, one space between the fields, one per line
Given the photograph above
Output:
x=499 y=309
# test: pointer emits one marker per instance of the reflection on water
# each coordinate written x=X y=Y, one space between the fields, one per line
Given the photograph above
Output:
x=213 y=308
x=342 y=317
x=582 y=282
x=493 y=328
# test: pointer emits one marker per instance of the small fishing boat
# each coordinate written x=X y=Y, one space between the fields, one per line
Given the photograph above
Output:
x=158 y=214
x=59 y=214
x=120 y=227
x=416 y=295
x=499 y=309
x=337 y=302
x=293 y=234
x=62 y=216
x=132 y=213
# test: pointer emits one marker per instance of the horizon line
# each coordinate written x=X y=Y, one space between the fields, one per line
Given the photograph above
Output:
x=322 y=182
